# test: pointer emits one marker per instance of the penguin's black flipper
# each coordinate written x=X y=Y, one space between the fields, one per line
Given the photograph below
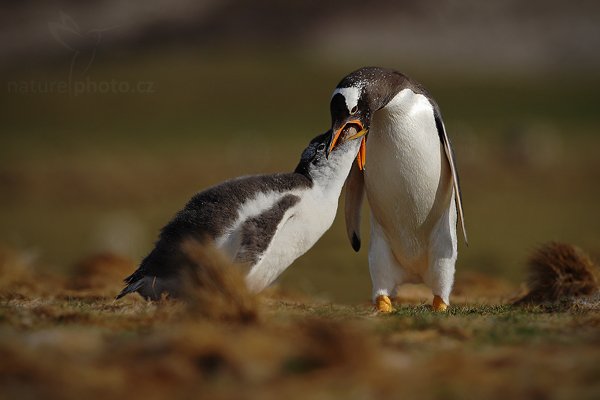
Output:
x=355 y=191
x=452 y=163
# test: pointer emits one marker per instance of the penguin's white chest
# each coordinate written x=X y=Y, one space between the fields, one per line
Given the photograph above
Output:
x=407 y=184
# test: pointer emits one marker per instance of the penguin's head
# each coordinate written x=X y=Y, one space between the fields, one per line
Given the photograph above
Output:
x=316 y=156
x=357 y=97
x=315 y=153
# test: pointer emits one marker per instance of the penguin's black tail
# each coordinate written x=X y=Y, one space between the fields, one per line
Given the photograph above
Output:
x=132 y=287
x=136 y=280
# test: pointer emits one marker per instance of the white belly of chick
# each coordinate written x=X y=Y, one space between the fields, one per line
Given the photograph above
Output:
x=407 y=180
x=298 y=231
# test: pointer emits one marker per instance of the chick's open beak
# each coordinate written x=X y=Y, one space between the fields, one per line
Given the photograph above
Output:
x=362 y=153
x=338 y=133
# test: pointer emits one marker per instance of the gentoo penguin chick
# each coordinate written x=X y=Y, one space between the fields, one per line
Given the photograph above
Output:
x=410 y=179
x=264 y=222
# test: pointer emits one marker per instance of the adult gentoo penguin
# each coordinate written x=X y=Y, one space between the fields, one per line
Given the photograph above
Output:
x=410 y=179
x=264 y=222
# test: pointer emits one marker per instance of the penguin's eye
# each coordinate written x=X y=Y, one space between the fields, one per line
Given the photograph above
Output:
x=321 y=147
x=353 y=110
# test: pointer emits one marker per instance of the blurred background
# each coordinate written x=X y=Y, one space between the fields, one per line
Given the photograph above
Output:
x=113 y=113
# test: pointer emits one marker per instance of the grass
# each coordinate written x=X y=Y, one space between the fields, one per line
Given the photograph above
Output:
x=81 y=343
x=65 y=337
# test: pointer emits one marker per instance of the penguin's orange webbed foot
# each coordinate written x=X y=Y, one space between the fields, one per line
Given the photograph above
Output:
x=383 y=304
x=438 y=304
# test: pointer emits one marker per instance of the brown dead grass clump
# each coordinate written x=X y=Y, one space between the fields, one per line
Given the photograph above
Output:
x=558 y=271
x=215 y=288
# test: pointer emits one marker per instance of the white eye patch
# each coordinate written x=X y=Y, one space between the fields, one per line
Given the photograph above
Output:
x=351 y=95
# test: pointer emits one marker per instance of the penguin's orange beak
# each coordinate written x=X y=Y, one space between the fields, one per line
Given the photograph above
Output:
x=361 y=158
x=362 y=153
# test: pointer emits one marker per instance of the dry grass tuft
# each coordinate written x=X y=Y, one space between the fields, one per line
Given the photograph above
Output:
x=559 y=271
x=215 y=288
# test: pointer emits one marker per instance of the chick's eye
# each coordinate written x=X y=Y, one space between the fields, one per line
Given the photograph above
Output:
x=353 y=110
x=321 y=147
